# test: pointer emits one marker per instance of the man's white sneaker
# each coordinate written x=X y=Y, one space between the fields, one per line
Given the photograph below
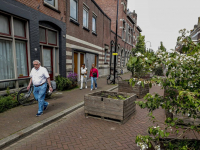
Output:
x=86 y=87
x=91 y=89
x=80 y=88
x=95 y=88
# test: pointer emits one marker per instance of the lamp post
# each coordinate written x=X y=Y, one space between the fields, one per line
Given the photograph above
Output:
x=147 y=42
x=116 y=40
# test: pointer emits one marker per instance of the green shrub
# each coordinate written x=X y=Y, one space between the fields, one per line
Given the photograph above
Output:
x=158 y=71
x=63 y=83
x=8 y=102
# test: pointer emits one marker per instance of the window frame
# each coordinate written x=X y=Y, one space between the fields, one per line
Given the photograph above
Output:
x=95 y=17
x=56 y=38
x=75 y=19
x=26 y=60
x=45 y=35
x=13 y=38
x=56 y=4
x=87 y=11
x=9 y=23
x=24 y=29
x=47 y=40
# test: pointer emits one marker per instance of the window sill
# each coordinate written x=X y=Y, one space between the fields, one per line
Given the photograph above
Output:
x=51 y=7
x=86 y=29
x=74 y=22
x=94 y=33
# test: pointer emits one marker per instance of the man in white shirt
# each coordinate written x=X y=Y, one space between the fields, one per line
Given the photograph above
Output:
x=83 y=76
x=39 y=76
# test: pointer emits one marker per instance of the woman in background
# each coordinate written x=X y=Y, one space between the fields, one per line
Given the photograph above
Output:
x=94 y=74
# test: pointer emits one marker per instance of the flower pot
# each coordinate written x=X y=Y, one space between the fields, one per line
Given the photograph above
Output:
x=124 y=86
x=102 y=105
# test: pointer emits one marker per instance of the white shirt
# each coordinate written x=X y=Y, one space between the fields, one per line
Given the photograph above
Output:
x=83 y=70
x=39 y=76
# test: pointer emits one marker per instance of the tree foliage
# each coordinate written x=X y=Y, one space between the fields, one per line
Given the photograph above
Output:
x=182 y=84
x=140 y=46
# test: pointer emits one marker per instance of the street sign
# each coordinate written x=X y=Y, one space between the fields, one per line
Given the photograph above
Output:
x=114 y=53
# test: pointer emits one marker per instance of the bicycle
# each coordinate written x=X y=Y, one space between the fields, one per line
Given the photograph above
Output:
x=25 y=97
x=110 y=78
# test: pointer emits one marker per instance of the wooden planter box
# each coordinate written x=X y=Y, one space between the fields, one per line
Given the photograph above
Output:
x=124 y=86
x=99 y=106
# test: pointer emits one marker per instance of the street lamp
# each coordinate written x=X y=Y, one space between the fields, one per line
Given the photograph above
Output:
x=116 y=41
x=147 y=42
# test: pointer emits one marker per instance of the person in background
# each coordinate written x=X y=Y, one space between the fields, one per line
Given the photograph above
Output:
x=94 y=74
x=39 y=75
x=83 y=76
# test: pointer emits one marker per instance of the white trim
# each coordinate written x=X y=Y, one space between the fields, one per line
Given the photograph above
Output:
x=84 y=4
x=69 y=66
x=68 y=53
x=69 y=37
x=69 y=61
x=94 y=14
x=82 y=48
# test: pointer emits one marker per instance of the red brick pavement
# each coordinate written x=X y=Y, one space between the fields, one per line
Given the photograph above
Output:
x=21 y=117
x=75 y=132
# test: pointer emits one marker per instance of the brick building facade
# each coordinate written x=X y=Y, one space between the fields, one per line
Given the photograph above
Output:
x=88 y=36
x=63 y=35
x=31 y=30
x=127 y=30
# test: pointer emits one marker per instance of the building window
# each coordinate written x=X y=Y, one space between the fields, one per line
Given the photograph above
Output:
x=74 y=9
x=19 y=28
x=48 y=36
x=4 y=24
x=49 y=46
x=94 y=18
x=52 y=3
x=10 y=54
x=123 y=31
x=85 y=17
x=105 y=56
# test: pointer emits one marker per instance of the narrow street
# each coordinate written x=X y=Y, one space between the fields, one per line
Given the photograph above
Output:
x=75 y=132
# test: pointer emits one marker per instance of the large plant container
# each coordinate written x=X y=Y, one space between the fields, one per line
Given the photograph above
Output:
x=104 y=105
x=139 y=90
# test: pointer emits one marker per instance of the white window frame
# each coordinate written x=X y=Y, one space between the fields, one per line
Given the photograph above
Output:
x=56 y=4
x=76 y=19
x=87 y=10
x=13 y=39
x=94 y=16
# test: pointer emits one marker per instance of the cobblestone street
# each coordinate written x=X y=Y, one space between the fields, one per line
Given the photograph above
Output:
x=75 y=132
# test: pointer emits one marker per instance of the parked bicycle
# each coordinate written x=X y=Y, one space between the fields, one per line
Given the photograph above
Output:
x=110 y=78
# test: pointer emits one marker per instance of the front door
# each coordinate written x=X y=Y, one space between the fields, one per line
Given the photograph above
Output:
x=48 y=60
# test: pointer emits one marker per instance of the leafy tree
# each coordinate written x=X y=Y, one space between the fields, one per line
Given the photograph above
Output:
x=162 y=46
x=140 y=46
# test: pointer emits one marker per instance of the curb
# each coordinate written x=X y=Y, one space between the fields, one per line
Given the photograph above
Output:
x=35 y=127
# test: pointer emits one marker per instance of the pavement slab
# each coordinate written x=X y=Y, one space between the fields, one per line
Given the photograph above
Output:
x=74 y=131
x=21 y=117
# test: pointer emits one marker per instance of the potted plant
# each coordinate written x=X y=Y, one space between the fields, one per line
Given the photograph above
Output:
x=110 y=105
x=139 y=65
x=181 y=99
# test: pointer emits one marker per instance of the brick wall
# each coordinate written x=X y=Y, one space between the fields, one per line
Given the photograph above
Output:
x=41 y=7
x=28 y=10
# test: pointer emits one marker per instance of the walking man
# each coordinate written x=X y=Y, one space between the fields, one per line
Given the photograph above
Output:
x=39 y=76
x=83 y=76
